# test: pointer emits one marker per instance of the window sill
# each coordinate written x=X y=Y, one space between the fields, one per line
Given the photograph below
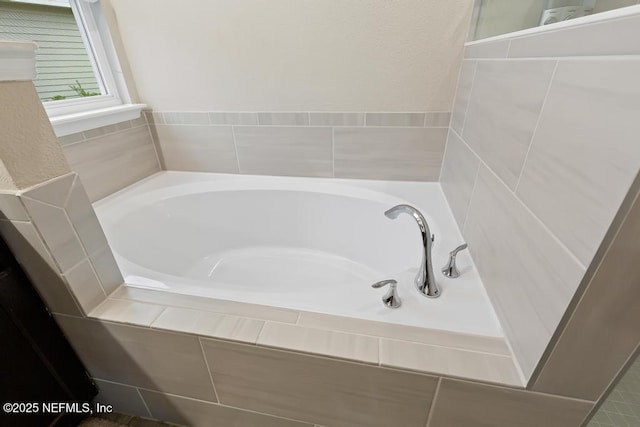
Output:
x=79 y=122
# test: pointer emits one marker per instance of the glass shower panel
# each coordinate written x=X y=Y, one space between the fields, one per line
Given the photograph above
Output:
x=495 y=17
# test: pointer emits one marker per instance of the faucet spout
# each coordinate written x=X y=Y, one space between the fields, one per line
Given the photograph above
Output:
x=425 y=279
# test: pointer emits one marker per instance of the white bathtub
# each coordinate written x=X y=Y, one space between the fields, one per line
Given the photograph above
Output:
x=302 y=243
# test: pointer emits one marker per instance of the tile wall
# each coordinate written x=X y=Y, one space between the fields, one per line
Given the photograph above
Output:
x=195 y=380
x=540 y=155
x=395 y=146
x=111 y=157
x=54 y=233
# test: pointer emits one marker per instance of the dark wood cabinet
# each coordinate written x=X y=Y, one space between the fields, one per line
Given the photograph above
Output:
x=37 y=364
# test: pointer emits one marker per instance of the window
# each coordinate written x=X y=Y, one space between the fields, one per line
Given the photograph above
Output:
x=76 y=63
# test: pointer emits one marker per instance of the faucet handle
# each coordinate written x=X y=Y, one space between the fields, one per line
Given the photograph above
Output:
x=450 y=269
x=391 y=298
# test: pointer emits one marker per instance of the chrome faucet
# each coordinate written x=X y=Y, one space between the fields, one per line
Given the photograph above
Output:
x=425 y=279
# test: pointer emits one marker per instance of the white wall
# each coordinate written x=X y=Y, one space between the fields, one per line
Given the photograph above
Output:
x=28 y=148
x=322 y=55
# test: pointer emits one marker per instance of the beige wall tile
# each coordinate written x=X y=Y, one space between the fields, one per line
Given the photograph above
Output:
x=54 y=192
x=461 y=103
x=124 y=398
x=459 y=171
x=290 y=151
x=136 y=313
x=141 y=357
x=395 y=119
x=197 y=148
x=389 y=153
x=283 y=119
x=492 y=345
x=197 y=413
x=104 y=130
x=603 y=330
x=25 y=243
x=111 y=162
x=496 y=49
x=529 y=276
x=84 y=219
x=186 y=118
x=84 y=284
x=503 y=112
x=438 y=119
x=230 y=118
x=254 y=311
x=11 y=208
x=461 y=403
x=58 y=233
x=328 y=343
x=317 y=390
x=612 y=37
x=209 y=324
x=449 y=361
x=336 y=119
x=585 y=153
x=106 y=269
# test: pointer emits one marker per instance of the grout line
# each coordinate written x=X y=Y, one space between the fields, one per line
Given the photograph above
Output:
x=155 y=144
x=144 y=402
x=524 y=205
x=508 y=49
x=333 y=152
x=204 y=356
x=535 y=129
x=73 y=183
x=466 y=109
x=164 y=308
x=235 y=146
x=264 y=323
x=473 y=190
x=309 y=118
x=433 y=402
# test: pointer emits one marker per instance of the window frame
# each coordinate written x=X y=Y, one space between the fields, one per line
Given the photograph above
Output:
x=115 y=105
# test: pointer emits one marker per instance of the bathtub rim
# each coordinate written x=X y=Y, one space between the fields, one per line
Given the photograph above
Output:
x=144 y=308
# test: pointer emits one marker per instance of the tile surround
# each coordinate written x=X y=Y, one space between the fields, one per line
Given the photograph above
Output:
x=463 y=92
x=555 y=171
x=577 y=195
x=26 y=245
x=113 y=158
x=324 y=342
x=461 y=403
x=57 y=232
x=460 y=168
x=197 y=148
x=300 y=143
x=125 y=398
x=306 y=332
x=84 y=284
x=509 y=245
x=452 y=362
x=603 y=326
x=123 y=354
x=389 y=153
x=289 y=151
x=502 y=113
x=204 y=323
x=314 y=389
x=74 y=268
